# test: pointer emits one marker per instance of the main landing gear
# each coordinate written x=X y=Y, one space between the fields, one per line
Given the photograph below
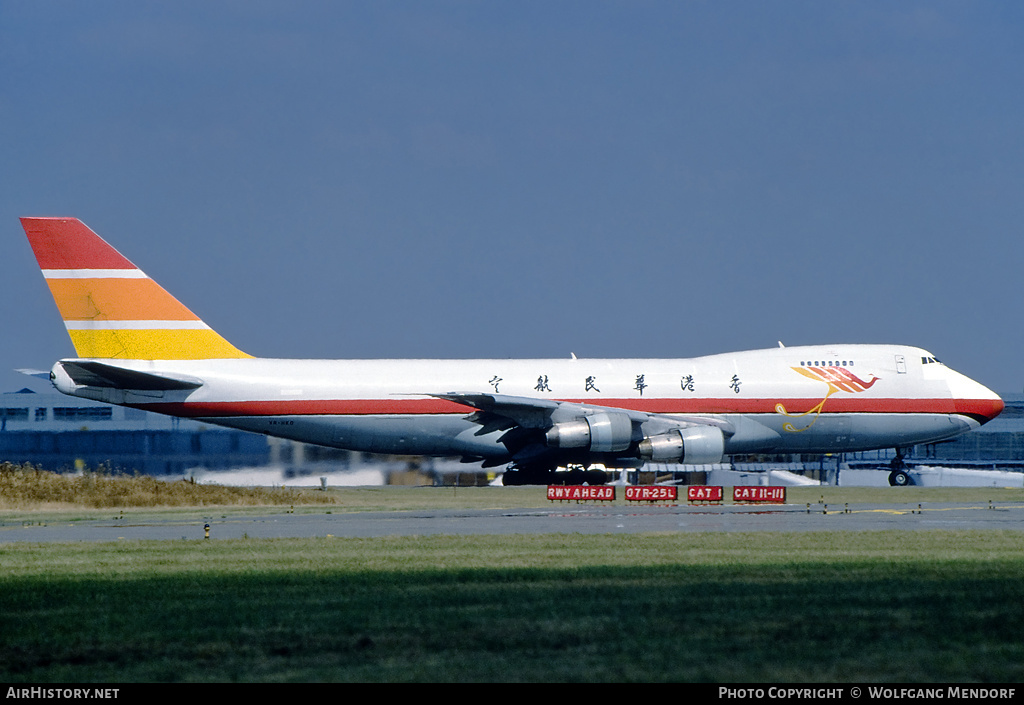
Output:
x=898 y=475
x=573 y=475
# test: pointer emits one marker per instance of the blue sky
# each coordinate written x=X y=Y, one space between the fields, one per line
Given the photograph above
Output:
x=529 y=179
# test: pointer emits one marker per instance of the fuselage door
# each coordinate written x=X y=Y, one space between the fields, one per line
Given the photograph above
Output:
x=901 y=365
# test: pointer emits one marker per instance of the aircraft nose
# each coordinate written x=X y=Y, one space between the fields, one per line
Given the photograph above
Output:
x=975 y=400
x=983 y=410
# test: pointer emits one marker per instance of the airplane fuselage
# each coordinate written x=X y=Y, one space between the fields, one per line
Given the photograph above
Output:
x=809 y=399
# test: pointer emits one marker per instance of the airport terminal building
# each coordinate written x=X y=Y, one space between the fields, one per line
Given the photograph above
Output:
x=64 y=433
x=41 y=426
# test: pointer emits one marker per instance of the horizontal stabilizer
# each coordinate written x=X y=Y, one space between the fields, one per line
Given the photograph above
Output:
x=41 y=374
x=98 y=374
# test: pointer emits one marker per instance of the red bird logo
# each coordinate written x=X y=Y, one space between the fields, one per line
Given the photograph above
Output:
x=838 y=379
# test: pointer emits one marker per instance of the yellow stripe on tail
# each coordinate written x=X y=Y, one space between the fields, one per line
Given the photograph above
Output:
x=110 y=307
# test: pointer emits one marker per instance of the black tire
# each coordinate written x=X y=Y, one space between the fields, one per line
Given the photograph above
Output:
x=898 y=478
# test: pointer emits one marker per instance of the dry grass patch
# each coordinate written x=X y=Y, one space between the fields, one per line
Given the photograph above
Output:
x=27 y=487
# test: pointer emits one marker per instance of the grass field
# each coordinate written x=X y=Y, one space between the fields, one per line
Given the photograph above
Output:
x=913 y=607
x=834 y=607
x=25 y=491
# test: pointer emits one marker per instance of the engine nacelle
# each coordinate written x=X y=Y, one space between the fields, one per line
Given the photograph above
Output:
x=696 y=445
x=601 y=433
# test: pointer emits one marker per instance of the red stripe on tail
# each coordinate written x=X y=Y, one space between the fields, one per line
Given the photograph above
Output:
x=67 y=243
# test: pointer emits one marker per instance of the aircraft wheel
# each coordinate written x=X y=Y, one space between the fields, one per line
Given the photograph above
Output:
x=575 y=476
x=512 y=479
x=528 y=476
x=898 y=478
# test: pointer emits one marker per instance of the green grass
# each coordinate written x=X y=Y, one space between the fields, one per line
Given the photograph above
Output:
x=858 y=606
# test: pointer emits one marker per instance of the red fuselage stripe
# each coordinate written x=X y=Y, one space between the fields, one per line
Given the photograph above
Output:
x=987 y=408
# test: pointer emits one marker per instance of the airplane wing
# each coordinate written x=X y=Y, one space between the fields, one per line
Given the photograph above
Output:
x=543 y=430
x=502 y=411
x=531 y=412
x=98 y=374
x=523 y=419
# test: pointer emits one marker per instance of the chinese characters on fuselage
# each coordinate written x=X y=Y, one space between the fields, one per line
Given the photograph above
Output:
x=687 y=383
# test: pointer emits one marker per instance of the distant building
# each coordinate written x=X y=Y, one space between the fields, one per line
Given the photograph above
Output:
x=998 y=443
x=59 y=432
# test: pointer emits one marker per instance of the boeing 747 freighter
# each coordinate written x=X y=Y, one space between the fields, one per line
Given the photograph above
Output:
x=138 y=346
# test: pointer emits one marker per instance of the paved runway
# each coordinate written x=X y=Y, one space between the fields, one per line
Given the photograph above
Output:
x=558 y=518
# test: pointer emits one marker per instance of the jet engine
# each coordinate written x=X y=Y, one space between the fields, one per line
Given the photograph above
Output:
x=695 y=445
x=602 y=433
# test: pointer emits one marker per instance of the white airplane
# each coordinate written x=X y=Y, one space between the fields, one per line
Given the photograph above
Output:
x=139 y=347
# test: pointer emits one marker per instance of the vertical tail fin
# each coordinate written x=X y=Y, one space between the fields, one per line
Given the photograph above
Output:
x=110 y=307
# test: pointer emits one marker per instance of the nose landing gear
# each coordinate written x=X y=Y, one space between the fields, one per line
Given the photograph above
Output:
x=898 y=475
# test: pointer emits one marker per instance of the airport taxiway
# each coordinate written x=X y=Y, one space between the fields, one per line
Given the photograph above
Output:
x=566 y=518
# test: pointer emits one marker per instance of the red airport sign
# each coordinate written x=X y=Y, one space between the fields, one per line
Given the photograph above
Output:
x=580 y=493
x=703 y=493
x=651 y=493
x=775 y=495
